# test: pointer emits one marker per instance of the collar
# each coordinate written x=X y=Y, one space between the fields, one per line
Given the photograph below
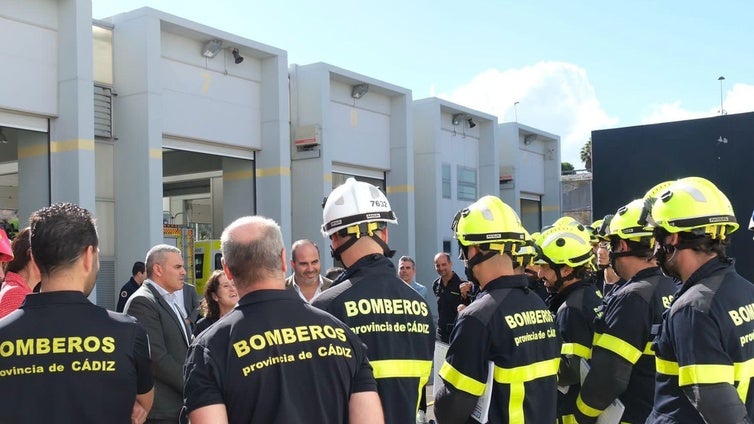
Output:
x=164 y=293
x=644 y=273
x=507 y=282
x=298 y=289
x=713 y=266
x=319 y=287
x=266 y=295
x=371 y=261
x=557 y=299
x=59 y=297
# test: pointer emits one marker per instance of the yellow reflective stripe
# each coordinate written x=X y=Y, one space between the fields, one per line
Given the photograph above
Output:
x=391 y=368
x=526 y=372
x=576 y=349
x=743 y=372
x=586 y=409
x=666 y=367
x=406 y=368
x=516 y=403
x=620 y=347
x=705 y=374
x=648 y=349
x=461 y=381
x=568 y=419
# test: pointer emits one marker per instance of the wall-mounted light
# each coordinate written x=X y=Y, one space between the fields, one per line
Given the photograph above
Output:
x=457 y=118
x=529 y=138
x=212 y=48
x=471 y=122
x=359 y=90
x=237 y=56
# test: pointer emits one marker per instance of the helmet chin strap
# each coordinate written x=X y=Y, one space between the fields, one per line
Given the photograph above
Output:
x=357 y=231
x=475 y=260
x=560 y=280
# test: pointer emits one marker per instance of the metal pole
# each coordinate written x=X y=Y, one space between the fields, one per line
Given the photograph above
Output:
x=515 y=110
x=722 y=111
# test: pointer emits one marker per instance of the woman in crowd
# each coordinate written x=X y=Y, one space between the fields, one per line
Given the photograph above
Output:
x=21 y=274
x=220 y=296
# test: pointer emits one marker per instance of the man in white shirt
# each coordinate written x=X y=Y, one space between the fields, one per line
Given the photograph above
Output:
x=306 y=279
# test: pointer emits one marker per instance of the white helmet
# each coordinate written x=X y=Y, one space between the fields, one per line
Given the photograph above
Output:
x=354 y=203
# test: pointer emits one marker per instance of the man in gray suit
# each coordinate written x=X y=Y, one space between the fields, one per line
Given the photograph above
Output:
x=156 y=306
x=306 y=279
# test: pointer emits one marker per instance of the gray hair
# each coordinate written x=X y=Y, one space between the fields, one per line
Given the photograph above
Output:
x=407 y=259
x=156 y=255
x=251 y=248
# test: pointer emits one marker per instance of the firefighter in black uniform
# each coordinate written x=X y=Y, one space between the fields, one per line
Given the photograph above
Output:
x=623 y=363
x=451 y=292
x=564 y=257
x=274 y=358
x=390 y=317
x=508 y=325
x=706 y=342
x=65 y=359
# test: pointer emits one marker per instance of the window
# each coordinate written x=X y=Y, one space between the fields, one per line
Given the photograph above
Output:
x=446 y=181
x=339 y=179
x=467 y=183
x=446 y=247
x=531 y=214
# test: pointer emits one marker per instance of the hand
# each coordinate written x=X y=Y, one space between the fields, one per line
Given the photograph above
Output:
x=138 y=414
x=465 y=288
x=460 y=307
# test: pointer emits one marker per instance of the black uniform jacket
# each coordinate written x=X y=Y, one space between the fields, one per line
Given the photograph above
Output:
x=274 y=359
x=394 y=322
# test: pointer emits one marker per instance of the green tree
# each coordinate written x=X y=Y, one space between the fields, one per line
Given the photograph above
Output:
x=566 y=168
x=586 y=155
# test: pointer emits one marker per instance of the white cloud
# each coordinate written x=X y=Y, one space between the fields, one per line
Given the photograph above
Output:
x=738 y=99
x=555 y=97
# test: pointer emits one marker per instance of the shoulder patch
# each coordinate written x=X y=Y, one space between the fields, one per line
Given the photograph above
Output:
x=123 y=293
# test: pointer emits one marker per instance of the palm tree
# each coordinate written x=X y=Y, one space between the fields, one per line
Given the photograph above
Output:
x=586 y=155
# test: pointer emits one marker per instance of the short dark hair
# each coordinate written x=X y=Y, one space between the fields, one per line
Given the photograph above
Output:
x=138 y=267
x=252 y=260
x=60 y=234
x=334 y=272
x=20 y=246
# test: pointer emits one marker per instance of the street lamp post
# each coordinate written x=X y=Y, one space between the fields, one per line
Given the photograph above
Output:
x=721 y=79
x=515 y=110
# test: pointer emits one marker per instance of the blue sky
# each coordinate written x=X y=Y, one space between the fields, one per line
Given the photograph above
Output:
x=573 y=66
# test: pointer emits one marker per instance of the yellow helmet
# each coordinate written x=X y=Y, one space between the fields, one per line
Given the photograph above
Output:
x=594 y=228
x=565 y=245
x=625 y=222
x=490 y=222
x=694 y=204
x=649 y=200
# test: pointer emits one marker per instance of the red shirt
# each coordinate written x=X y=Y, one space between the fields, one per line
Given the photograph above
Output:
x=12 y=293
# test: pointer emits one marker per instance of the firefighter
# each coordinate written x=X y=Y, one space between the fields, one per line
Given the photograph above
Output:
x=507 y=324
x=706 y=342
x=390 y=317
x=623 y=364
x=565 y=257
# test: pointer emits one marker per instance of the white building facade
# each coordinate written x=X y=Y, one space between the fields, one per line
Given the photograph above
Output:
x=146 y=118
